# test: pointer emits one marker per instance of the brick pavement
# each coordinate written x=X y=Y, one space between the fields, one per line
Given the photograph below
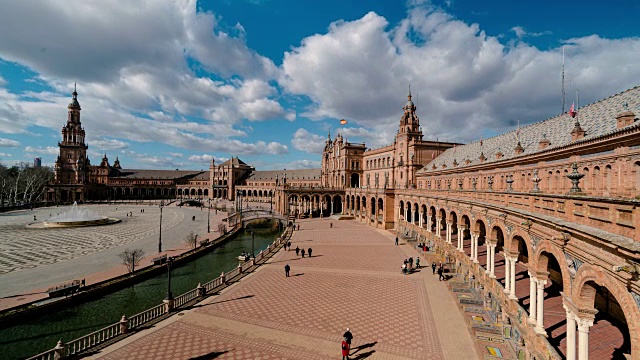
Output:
x=353 y=280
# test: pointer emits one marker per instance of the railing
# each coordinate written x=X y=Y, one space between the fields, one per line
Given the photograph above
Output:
x=97 y=337
x=146 y=316
x=115 y=330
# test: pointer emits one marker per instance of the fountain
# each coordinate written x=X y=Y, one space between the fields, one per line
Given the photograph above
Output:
x=78 y=217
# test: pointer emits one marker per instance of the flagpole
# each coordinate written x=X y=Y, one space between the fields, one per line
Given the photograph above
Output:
x=563 y=97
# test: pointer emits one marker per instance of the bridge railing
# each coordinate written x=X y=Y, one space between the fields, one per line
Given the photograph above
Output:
x=125 y=325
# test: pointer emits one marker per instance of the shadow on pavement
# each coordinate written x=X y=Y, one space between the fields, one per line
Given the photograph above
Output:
x=211 y=355
x=220 y=302
x=363 y=355
x=298 y=274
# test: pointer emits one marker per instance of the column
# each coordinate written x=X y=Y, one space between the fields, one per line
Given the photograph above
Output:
x=475 y=249
x=461 y=239
x=540 y=325
x=438 y=225
x=532 y=299
x=428 y=222
x=583 y=337
x=331 y=210
x=507 y=269
x=492 y=273
x=420 y=219
x=487 y=270
x=449 y=232
x=406 y=214
x=512 y=277
x=571 y=334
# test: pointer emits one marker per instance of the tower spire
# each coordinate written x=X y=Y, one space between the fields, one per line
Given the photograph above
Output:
x=409 y=91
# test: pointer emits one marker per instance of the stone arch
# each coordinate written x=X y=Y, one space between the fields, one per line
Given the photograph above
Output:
x=337 y=204
x=373 y=206
x=401 y=209
x=480 y=227
x=587 y=279
x=416 y=213
x=408 y=211
x=539 y=262
x=357 y=203
x=355 y=180
x=498 y=233
x=380 y=208
x=517 y=236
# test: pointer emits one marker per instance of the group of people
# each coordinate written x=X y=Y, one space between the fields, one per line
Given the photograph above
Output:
x=423 y=247
x=440 y=270
x=407 y=266
x=302 y=252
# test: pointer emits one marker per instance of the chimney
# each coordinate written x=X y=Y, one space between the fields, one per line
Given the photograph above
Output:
x=577 y=133
x=625 y=118
x=544 y=143
x=519 y=149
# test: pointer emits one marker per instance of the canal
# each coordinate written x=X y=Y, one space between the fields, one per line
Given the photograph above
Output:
x=34 y=336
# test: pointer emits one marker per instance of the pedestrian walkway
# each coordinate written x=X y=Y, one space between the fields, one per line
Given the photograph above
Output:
x=352 y=280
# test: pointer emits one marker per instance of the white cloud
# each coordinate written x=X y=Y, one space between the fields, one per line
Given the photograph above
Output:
x=201 y=159
x=5 y=155
x=2 y=81
x=49 y=150
x=463 y=80
x=521 y=32
x=108 y=144
x=303 y=140
x=8 y=143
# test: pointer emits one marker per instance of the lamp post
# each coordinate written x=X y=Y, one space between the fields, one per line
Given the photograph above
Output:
x=252 y=244
x=271 y=200
x=160 y=237
x=169 y=262
x=209 y=217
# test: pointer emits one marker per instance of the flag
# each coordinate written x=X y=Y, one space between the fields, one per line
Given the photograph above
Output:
x=343 y=122
x=572 y=111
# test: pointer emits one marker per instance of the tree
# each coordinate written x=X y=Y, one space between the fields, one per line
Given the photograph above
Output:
x=131 y=258
x=222 y=228
x=191 y=239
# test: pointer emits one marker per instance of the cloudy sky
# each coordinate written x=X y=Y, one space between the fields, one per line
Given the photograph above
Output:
x=167 y=84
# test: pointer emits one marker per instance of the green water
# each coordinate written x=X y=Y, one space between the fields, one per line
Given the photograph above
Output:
x=41 y=334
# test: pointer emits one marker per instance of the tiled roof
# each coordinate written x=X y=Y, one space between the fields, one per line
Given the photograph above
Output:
x=234 y=161
x=158 y=174
x=303 y=174
x=597 y=119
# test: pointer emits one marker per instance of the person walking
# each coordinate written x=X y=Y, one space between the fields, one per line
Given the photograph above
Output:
x=396 y=241
x=433 y=267
x=411 y=263
x=289 y=244
x=287 y=268
x=309 y=251
x=348 y=337
x=417 y=263
x=297 y=250
x=345 y=349
x=302 y=252
x=331 y=225
x=440 y=274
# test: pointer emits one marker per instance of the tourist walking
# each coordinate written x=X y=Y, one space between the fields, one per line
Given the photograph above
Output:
x=331 y=225
x=297 y=250
x=417 y=263
x=344 y=349
x=404 y=269
x=410 y=263
x=396 y=241
x=348 y=337
x=309 y=251
x=302 y=252
x=287 y=268
x=433 y=267
x=289 y=244
x=440 y=274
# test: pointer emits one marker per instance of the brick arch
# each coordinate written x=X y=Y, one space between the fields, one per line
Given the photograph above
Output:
x=536 y=262
x=476 y=226
x=453 y=214
x=584 y=298
x=495 y=225
x=512 y=244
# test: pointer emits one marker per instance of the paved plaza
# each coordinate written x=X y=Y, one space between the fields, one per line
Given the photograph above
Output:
x=353 y=280
x=34 y=259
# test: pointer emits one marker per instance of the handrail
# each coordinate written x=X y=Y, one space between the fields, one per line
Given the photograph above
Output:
x=112 y=331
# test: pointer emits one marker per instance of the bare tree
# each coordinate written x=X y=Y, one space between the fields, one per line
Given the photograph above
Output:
x=191 y=239
x=131 y=258
x=222 y=228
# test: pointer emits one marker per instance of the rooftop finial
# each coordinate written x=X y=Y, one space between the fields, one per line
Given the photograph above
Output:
x=409 y=91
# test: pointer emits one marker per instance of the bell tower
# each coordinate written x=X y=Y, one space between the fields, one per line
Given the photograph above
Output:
x=71 y=167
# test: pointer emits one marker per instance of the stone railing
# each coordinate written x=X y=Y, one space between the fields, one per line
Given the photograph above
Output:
x=125 y=325
x=617 y=216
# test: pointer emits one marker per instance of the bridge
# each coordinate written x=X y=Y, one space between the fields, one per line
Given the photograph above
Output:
x=251 y=214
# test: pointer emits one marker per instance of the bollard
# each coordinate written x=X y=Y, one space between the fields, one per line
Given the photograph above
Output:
x=239 y=269
x=201 y=290
x=124 y=325
x=168 y=305
x=59 y=351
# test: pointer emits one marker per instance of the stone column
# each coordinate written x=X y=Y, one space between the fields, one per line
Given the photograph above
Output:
x=583 y=337
x=532 y=299
x=331 y=210
x=540 y=325
x=475 y=249
x=428 y=222
x=488 y=267
x=571 y=334
x=461 y=239
x=512 y=277
x=438 y=225
x=507 y=269
x=406 y=214
x=420 y=219
x=492 y=273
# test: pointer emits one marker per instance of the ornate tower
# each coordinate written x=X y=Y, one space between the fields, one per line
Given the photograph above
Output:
x=409 y=135
x=409 y=122
x=71 y=167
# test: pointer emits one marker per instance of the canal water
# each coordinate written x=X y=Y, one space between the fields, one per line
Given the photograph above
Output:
x=35 y=336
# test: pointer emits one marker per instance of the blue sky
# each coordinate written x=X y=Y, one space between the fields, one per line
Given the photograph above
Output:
x=170 y=84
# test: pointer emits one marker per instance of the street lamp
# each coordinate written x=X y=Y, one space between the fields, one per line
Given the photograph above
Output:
x=169 y=262
x=160 y=237
x=209 y=217
x=252 y=244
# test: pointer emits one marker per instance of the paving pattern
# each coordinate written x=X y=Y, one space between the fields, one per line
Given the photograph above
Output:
x=353 y=280
x=25 y=248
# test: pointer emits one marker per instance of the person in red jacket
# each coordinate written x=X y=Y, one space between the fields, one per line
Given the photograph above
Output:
x=345 y=349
